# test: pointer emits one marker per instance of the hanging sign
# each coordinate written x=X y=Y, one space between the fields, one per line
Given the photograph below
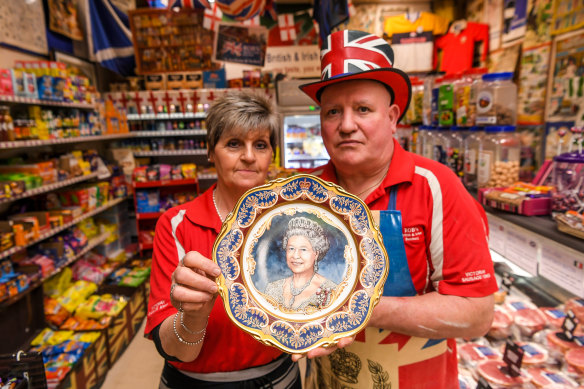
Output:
x=294 y=61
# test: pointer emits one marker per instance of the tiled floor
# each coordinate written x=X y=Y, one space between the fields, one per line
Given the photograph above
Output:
x=139 y=366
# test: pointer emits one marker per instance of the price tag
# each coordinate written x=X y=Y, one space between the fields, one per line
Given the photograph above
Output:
x=568 y=327
x=507 y=282
x=513 y=357
x=483 y=384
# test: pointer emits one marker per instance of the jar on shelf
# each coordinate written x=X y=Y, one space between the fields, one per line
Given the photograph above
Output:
x=422 y=138
x=497 y=100
x=404 y=136
x=453 y=141
x=472 y=146
x=439 y=144
x=414 y=112
x=434 y=116
x=446 y=100
x=427 y=100
x=499 y=156
x=568 y=178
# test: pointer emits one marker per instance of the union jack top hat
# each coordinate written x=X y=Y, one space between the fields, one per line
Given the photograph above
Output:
x=355 y=55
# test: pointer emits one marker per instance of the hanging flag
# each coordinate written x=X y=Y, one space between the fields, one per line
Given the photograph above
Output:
x=287 y=27
x=212 y=18
x=110 y=38
x=329 y=14
x=253 y=22
x=352 y=9
x=189 y=4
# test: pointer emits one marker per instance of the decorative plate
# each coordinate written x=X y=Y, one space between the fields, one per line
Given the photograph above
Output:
x=302 y=263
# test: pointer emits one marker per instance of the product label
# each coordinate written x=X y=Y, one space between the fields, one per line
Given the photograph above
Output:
x=484 y=167
x=485 y=101
x=555 y=313
x=484 y=351
x=530 y=350
x=482 y=120
x=470 y=161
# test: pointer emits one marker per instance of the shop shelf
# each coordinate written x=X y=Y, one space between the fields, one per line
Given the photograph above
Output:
x=148 y=215
x=157 y=184
x=132 y=117
x=20 y=144
x=207 y=176
x=96 y=241
x=149 y=134
x=48 y=103
x=54 y=231
x=162 y=153
x=49 y=188
x=146 y=246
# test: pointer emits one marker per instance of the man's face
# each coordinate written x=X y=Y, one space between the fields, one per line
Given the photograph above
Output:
x=357 y=125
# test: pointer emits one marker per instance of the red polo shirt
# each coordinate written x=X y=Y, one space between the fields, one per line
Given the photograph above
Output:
x=444 y=228
x=194 y=226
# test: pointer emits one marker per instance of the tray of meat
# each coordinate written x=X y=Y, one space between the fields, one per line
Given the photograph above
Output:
x=576 y=305
x=501 y=326
x=495 y=373
x=546 y=378
x=472 y=353
x=554 y=316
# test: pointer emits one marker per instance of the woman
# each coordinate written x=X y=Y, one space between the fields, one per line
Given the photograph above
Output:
x=202 y=347
x=305 y=244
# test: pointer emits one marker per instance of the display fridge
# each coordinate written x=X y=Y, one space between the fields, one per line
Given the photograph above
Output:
x=301 y=142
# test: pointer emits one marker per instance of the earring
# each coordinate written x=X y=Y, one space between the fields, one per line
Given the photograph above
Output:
x=316 y=266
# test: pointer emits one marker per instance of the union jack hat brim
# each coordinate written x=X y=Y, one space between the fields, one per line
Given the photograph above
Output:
x=355 y=55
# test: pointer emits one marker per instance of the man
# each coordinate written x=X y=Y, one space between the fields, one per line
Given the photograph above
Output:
x=441 y=278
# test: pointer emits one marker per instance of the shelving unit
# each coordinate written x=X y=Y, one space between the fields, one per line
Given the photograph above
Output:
x=49 y=188
x=94 y=242
x=134 y=117
x=145 y=221
x=20 y=144
x=149 y=134
x=164 y=153
x=54 y=231
x=46 y=103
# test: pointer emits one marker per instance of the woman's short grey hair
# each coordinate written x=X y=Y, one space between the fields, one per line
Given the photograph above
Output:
x=301 y=226
x=242 y=112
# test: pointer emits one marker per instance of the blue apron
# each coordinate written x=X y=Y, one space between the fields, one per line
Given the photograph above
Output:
x=399 y=280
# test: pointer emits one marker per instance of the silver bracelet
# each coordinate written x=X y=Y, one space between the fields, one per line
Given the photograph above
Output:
x=180 y=339
x=182 y=323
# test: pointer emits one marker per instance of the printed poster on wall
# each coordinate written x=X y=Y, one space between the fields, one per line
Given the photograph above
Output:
x=22 y=24
x=514 y=20
x=244 y=45
x=568 y=16
x=293 y=61
x=494 y=18
x=63 y=18
x=533 y=73
x=538 y=23
x=566 y=80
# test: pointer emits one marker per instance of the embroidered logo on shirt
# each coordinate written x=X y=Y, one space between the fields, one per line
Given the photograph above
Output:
x=157 y=307
x=412 y=234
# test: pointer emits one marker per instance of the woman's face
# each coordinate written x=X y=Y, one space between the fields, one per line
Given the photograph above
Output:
x=300 y=256
x=242 y=159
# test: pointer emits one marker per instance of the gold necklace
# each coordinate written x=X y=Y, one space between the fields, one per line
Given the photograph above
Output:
x=373 y=186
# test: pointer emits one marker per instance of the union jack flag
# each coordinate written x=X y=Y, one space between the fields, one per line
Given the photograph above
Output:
x=241 y=9
x=348 y=52
x=188 y=4
x=234 y=47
